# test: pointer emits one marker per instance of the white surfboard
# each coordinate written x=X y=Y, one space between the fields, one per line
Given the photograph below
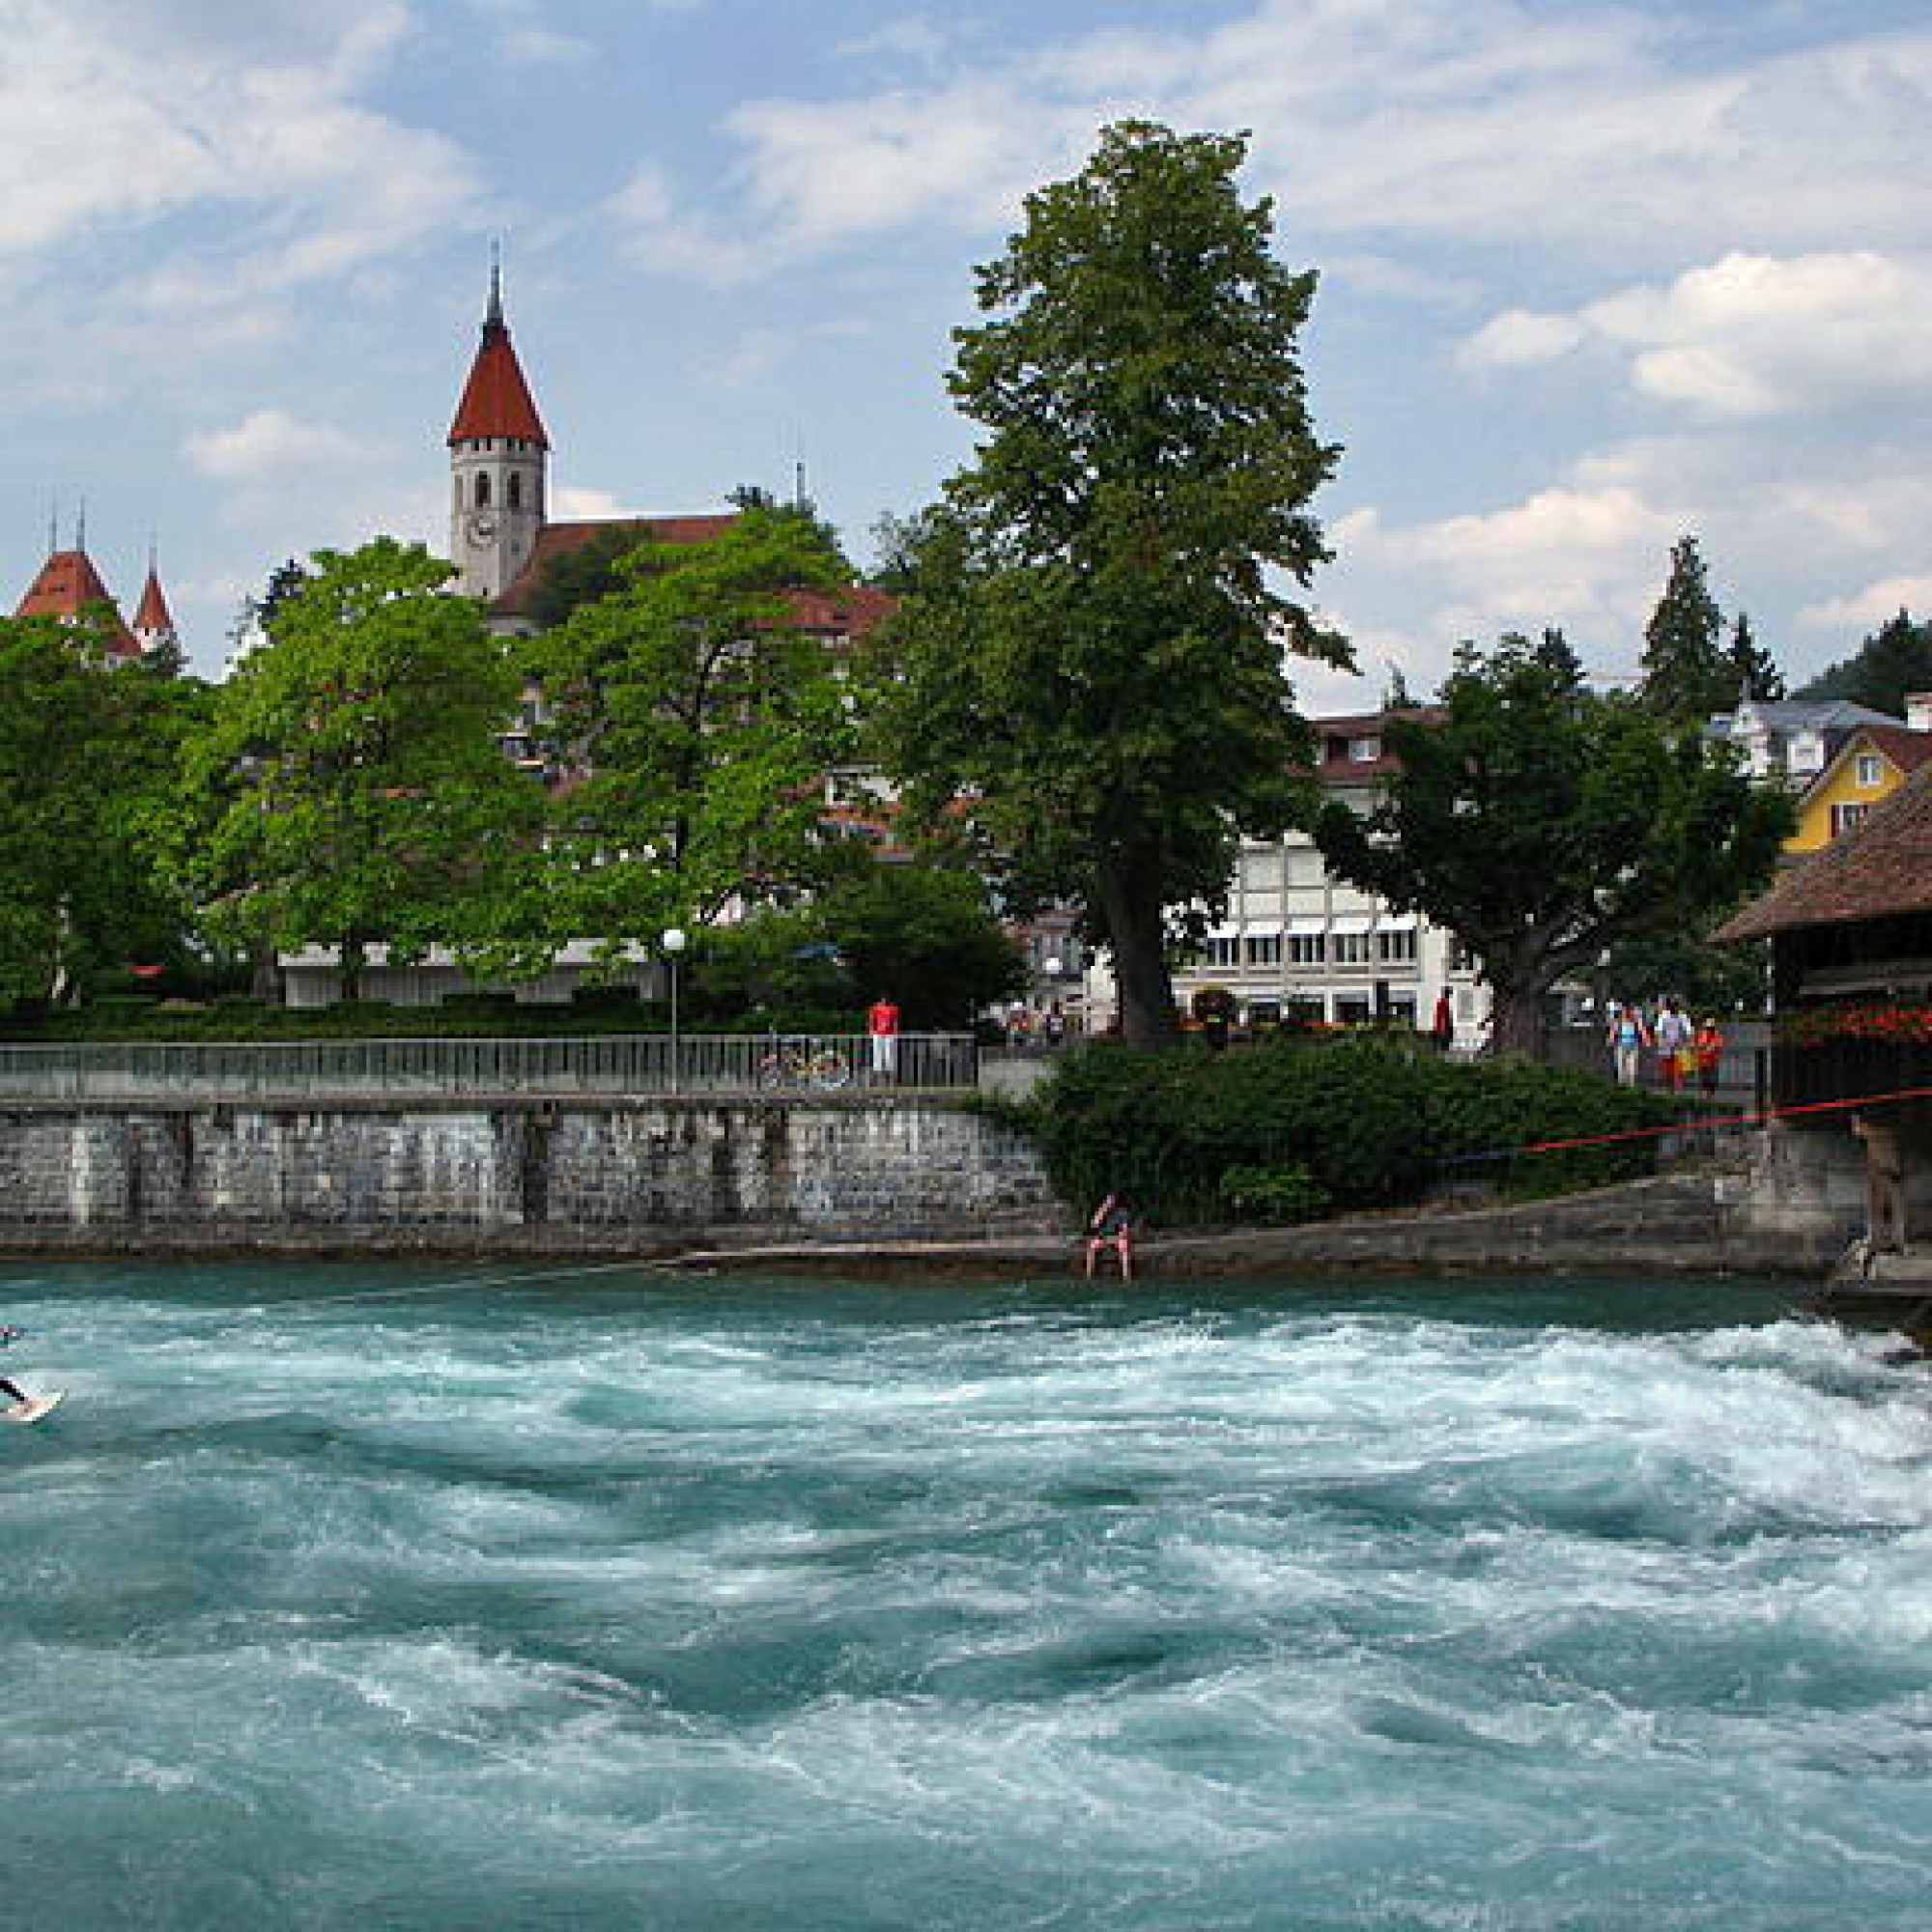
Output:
x=32 y=1412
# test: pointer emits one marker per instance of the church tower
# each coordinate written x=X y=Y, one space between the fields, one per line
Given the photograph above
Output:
x=498 y=456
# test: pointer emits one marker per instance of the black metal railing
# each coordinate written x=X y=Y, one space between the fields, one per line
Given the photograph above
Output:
x=626 y=1064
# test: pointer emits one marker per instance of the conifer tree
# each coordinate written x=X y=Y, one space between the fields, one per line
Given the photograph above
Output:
x=1688 y=671
x=1891 y=665
x=1757 y=674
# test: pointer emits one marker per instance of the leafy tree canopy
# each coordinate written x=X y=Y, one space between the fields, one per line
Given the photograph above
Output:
x=87 y=767
x=704 y=723
x=1091 y=646
x=1892 y=665
x=573 y=578
x=1542 y=823
x=357 y=789
x=755 y=497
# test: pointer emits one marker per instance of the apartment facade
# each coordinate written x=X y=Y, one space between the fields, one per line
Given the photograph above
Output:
x=1295 y=939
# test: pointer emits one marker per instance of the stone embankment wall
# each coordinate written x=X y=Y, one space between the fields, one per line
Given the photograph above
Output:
x=558 y=1176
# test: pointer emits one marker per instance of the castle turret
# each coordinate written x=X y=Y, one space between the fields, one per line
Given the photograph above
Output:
x=154 y=622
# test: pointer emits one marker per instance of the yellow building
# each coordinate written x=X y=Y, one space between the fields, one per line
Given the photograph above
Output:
x=1871 y=764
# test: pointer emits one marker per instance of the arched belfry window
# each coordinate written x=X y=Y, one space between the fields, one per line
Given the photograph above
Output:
x=482 y=488
x=515 y=497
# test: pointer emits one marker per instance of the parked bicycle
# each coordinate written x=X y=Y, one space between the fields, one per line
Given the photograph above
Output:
x=797 y=1062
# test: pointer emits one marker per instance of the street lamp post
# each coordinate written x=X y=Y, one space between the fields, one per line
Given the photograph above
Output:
x=673 y=942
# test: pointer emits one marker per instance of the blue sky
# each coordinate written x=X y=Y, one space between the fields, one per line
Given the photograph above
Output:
x=1593 y=276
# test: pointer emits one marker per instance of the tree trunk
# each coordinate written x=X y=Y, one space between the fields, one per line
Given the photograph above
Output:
x=265 y=974
x=1516 y=1021
x=1137 y=936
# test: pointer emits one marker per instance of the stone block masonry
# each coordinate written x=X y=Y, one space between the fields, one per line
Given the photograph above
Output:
x=556 y=1177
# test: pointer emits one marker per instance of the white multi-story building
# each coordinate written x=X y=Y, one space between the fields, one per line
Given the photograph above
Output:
x=1294 y=938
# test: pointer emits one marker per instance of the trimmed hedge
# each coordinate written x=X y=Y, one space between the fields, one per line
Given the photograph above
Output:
x=238 y=1019
x=1288 y=1129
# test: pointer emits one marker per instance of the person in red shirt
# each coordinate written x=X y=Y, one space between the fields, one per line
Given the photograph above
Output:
x=882 y=1022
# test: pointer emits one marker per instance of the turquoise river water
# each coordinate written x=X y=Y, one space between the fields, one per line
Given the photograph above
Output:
x=385 y=1598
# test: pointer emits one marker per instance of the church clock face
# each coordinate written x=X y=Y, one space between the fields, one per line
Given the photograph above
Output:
x=481 y=529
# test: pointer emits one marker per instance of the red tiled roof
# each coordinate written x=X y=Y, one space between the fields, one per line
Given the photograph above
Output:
x=67 y=585
x=556 y=540
x=1880 y=868
x=1906 y=747
x=851 y=611
x=497 y=400
x=1335 y=766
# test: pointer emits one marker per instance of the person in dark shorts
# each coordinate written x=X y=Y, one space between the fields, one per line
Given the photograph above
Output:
x=1112 y=1227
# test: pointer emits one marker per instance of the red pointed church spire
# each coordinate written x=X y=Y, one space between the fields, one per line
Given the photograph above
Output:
x=495 y=400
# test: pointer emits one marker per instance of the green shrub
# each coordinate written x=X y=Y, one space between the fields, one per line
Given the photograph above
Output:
x=1281 y=1195
x=1365 y=1120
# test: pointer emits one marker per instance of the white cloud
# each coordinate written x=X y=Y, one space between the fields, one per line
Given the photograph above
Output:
x=659 y=237
x=1749 y=336
x=1520 y=337
x=1875 y=605
x=1491 y=123
x=272 y=443
x=118 y=116
x=581 y=504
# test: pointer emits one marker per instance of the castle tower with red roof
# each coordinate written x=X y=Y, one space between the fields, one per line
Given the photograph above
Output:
x=499 y=460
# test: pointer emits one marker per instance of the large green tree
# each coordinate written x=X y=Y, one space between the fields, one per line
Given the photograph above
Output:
x=87 y=763
x=358 y=790
x=1688 y=671
x=1089 y=673
x=1892 y=665
x=1542 y=823
x=702 y=724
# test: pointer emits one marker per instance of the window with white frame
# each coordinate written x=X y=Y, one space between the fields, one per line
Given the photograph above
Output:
x=1871 y=771
x=1845 y=818
x=1263 y=949
x=1394 y=948
x=1307 y=948
x=1350 y=948
x=1221 y=953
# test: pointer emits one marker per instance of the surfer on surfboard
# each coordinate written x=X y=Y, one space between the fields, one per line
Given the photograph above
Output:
x=26 y=1408
x=12 y=1390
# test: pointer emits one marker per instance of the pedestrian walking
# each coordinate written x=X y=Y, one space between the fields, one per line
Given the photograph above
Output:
x=1629 y=1036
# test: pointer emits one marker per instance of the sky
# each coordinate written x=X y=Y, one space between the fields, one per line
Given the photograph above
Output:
x=1593 y=277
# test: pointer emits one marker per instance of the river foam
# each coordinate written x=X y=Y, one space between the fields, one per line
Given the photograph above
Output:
x=710 y=1603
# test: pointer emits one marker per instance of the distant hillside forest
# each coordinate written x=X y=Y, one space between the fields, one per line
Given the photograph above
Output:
x=1889 y=667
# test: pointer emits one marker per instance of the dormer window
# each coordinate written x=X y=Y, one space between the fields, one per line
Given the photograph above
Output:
x=1364 y=750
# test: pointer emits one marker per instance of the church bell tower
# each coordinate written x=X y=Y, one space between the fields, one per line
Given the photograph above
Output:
x=498 y=460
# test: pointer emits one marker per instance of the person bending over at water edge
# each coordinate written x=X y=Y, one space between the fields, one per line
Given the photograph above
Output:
x=1112 y=1227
